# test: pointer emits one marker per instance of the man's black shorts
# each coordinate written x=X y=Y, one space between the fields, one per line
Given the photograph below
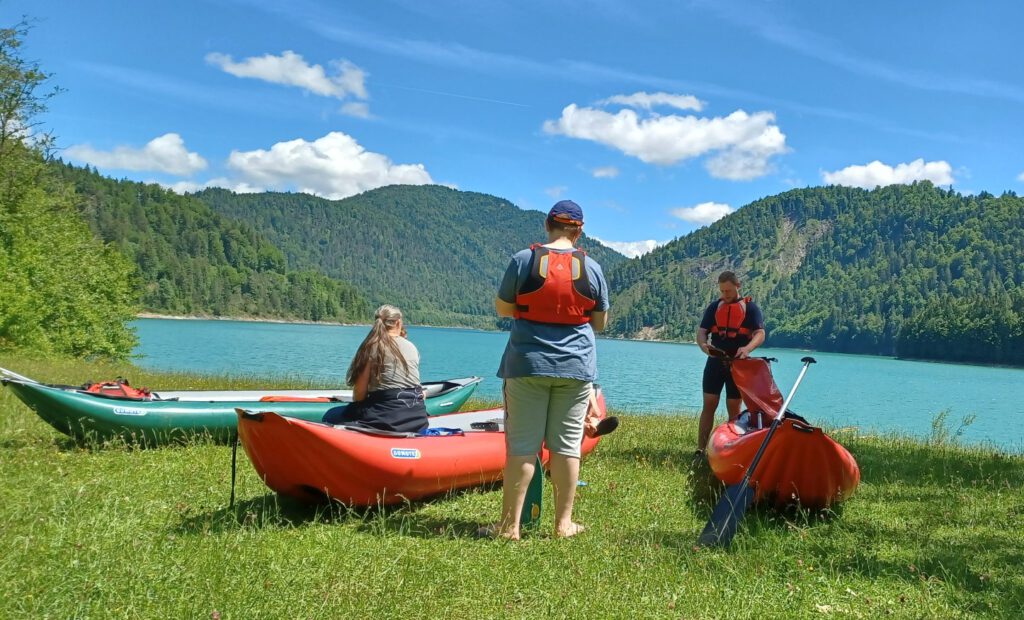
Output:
x=716 y=374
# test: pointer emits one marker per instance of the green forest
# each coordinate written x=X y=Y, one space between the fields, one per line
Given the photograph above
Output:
x=436 y=252
x=192 y=261
x=906 y=270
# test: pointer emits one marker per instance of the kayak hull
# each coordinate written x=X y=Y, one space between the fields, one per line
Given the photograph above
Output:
x=94 y=417
x=314 y=462
x=801 y=464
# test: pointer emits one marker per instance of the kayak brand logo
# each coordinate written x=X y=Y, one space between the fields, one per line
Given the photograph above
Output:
x=128 y=411
x=405 y=453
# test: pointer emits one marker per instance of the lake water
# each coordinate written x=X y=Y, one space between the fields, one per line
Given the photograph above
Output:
x=876 y=393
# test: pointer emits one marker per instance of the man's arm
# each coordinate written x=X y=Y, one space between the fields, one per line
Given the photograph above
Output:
x=504 y=308
x=598 y=320
x=756 y=340
x=702 y=339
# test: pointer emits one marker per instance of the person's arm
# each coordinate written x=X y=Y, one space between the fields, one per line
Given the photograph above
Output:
x=756 y=340
x=362 y=385
x=504 y=308
x=598 y=320
x=702 y=340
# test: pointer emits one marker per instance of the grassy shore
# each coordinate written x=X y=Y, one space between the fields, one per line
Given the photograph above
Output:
x=935 y=531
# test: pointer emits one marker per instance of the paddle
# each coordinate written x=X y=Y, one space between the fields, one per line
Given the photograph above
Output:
x=530 y=516
x=721 y=527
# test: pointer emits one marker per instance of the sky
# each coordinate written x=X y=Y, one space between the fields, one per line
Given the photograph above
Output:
x=658 y=118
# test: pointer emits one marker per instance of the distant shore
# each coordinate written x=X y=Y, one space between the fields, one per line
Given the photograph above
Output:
x=151 y=315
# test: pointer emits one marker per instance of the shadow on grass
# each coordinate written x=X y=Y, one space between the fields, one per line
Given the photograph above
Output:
x=272 y=511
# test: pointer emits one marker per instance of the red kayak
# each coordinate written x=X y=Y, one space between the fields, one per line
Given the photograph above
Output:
x=313 y=462
x=801 y=465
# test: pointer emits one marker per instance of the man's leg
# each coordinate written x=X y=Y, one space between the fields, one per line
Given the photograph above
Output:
x=567 y=410
x=565 y=473
x=733 y=406
x=517 y=475
x=526 y=405
x=707 y=420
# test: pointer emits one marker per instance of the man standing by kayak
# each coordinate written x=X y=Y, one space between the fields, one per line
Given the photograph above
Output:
x=736 y=326
x=558 y=297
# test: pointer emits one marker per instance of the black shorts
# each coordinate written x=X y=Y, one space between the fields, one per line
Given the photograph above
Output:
x=716 y=374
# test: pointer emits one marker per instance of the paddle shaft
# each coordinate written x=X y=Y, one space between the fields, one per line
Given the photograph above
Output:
x=777 y=422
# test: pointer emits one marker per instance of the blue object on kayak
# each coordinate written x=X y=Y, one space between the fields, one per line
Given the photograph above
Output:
x=439 y=431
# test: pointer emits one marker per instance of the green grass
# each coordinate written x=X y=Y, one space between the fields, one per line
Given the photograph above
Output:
x=935 y=531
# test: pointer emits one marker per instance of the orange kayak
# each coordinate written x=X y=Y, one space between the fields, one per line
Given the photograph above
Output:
x=801 y=464
x=312 y=462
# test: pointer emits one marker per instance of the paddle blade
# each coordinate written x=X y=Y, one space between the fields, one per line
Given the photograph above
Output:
x=728 y=513
x=530 y=516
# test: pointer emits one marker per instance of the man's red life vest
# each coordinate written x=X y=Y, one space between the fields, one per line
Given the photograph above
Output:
x=729 y=318
x=557 y=289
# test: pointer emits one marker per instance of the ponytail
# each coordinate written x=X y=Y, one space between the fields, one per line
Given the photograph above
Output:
x=374 y=348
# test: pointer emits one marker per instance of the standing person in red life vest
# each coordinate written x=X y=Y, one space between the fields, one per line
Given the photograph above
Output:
x=557 y=296
x=736 y=326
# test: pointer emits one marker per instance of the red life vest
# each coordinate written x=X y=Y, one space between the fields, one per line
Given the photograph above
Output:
x=729 y=318
x=557 y=289
x=118 y=388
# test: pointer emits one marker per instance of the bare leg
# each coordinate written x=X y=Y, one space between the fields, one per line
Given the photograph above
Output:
x=732 y=405
x=518 y=472
x=707 y=419
x=565 y=473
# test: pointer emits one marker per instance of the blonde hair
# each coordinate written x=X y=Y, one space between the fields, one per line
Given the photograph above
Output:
x=378 y=342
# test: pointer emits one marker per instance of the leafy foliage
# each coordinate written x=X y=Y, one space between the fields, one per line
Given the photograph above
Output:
x=192 y=261
x=906 y=270
x=61 y=290
x=436 y=252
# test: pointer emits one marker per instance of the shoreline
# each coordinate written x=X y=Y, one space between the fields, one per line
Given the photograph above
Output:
x=153 y=315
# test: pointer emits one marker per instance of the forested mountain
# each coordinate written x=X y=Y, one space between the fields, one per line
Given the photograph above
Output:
x=907 y=270
x=192 y=261
x=436 y=252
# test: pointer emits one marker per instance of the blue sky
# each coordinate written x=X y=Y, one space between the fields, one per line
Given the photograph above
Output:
x=657 y=117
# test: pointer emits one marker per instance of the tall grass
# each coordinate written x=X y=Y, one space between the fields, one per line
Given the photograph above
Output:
x=935 y=531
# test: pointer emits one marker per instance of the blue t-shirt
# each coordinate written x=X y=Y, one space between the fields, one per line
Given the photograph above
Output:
x=752 y=320
x=546 y=349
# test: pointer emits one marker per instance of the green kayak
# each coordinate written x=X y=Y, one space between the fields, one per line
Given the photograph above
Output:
x=162 y=417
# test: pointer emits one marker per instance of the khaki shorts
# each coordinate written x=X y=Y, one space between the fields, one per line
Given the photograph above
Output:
x=545 y=409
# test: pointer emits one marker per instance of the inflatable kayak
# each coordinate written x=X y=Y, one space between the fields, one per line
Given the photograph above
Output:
x=314 y=462
x=801 y=464
x=159 y=417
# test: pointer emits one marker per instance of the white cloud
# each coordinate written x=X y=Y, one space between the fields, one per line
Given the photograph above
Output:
x=1020 y=177
x=334 y=166
x=358 y=110
x=705 y=213
x=187 y=187
x=631 y=249
x=164 y=154
x=878 y=174
x=556 y=191
x=650 y=100
x=605 y=172
x=741 y=143
x=291 y=69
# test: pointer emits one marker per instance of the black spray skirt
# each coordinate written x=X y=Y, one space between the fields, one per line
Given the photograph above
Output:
x=400 y=410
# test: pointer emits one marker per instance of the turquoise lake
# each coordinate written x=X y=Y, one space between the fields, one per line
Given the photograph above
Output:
x=874 y=393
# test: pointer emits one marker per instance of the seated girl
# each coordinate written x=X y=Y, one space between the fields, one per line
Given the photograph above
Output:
x=385 y=376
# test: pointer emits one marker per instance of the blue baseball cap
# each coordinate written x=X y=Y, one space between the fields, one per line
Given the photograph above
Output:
x=566 y=212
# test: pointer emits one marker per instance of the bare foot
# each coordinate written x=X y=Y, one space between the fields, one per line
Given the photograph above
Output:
x=570 y=531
